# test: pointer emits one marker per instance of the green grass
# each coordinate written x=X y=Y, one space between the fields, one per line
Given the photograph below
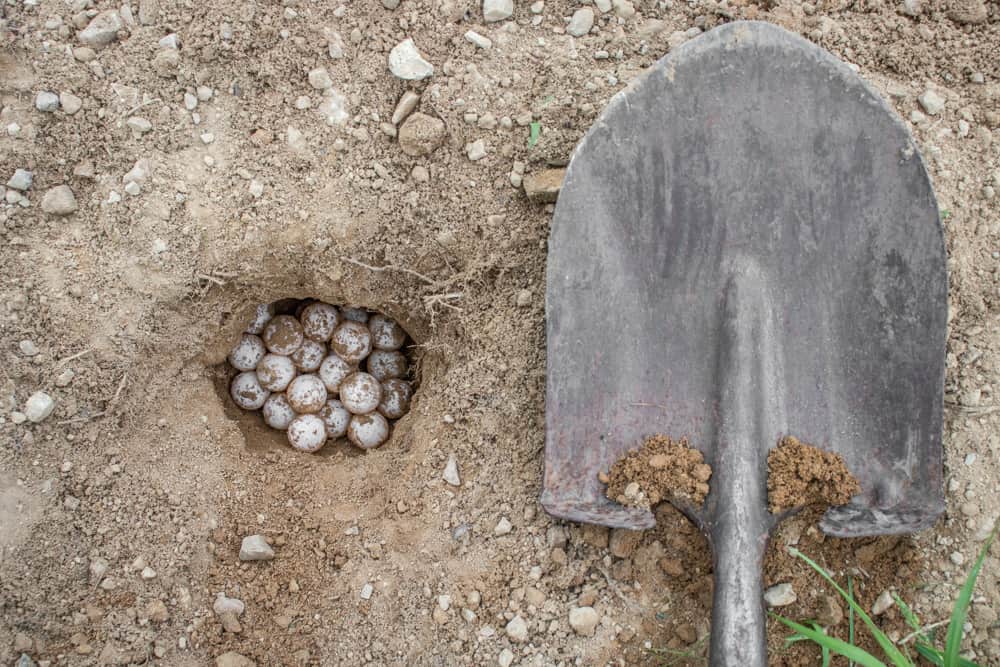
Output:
x=534 y=131
x=924 y=640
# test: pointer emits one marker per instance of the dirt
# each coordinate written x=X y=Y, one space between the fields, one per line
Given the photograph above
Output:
x=799 y=474
x=659 y=470
x=144 y=462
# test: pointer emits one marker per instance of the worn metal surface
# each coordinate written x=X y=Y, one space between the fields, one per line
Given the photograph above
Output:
x=746 y=246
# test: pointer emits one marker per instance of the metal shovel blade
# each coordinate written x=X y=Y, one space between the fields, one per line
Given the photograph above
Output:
x=747 y=246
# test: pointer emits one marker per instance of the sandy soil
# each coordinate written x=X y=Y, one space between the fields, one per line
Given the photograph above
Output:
x=130 y=303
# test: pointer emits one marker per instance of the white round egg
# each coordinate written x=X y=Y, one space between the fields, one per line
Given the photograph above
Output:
x=336 y=418
x=354 y=314
x=307 y=433
x=261 y=317
x=368 y=431
x=247 y=392
x=306 y=394
x=277 y=412
x=360 y=393
x=386 y=334
x=283 y=334
x=332 y=372
x=247 y=353
x=351 y=341
x=309 y=355
x=386 y=365
x=276 y=372
x=396 y=395
x=319 y=320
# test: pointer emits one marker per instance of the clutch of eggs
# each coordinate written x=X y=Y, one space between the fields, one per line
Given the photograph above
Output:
x=321 y=372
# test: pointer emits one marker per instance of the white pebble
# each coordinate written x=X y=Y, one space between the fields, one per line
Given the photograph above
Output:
x=497 y=10
x=479 y=40
x=450 y=473
x=228 y=605
x=39 y=406
x=46 y=101
x=255 y=547
x=366 y=591
x=503 y=526
x=405 y=61
x=584 y=620
x=882 y=603
x=779 y=595
x=320 y=79
x=476 y=150
x=21 y=180
x=517 y=629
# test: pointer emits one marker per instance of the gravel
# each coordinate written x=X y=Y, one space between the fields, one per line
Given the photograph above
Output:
x=70 y=103
x=476 y=150
x=39 y=406
x=407 y=103
x=46 y=101
x=497 y=10
x=581 y=22
x=405 y=62
x=882 y=603
x=503 y=526
x=517 y=629
x=450 y=473
x=543 y=187
x=320 y=79
x=479 y=40
x=779 y=595
x=255 y=547
x=931 y=102
x=21 y=180
x=102 y=30
x=584 y=620
x=421 y=134
x=59 y=200
x=228 y=605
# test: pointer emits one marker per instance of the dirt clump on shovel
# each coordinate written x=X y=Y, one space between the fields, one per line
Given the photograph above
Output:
x=800 y=475
x=661 y=469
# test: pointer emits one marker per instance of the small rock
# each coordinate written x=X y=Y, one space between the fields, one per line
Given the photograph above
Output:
x=517 y=629
x=957 y=558
x=21 y=180
x=450 y=474
x=444 y=602
x=169 y=41
x=584 y=620
x=225 y=604
x=138 y=173
x=39 y=406
x=405 y=62
x=85 y=169
x=932 y=102
x=70 y=103
x=476 y=150
x=157 y=612
x=234 y=659
x=204 y=93
x=779 y=595
x=479 y=40
x=25 y=661
x=22 y=643
x=503 y=526
x=148 y=573
x=255 y=547
x=523 y=299
x=59 y=200
x=420 y=174
x=882 y=603
x=624 y=542
x=366 y=591
x=581 y=22
x=407 y=103
x=320 y=79
x=334 y=107
x=420 y=134
x=256 y=188
x=506 y=658
x=497 y=10
x=230 y=623
x=603 y=6
x=829 y=613
x=543 y=187
x=46 y=101
x=139 y=125
x=968 y=12
x=671 y=566
x=102 y=29
x=912 y=7
x=84 y=54
x=334 y=44
x=167 y=62
x=27 y=348
x=623 y=8
x=190 y=101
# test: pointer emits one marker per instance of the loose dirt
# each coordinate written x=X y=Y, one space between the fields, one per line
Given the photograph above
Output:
x=134 y=300
x=661 y=469
x=799 y=475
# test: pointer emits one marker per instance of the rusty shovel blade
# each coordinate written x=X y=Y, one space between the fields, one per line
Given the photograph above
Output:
x=747 y=246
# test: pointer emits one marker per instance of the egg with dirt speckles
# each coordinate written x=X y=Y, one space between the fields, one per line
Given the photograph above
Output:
x=309 y=355
x=386 y=334
x=336 y=417
x=386 y=365
x=306 y=394
x=283 y=335
x=247 y=353
x=368 y=431
x=247 y=392
x=332 y=372
x=351 y=341
x=307 y=433
x=278 y=413
x=360 y=393
x=396 y=395
x=276 y=372
x=261 y=317
x=319 y=320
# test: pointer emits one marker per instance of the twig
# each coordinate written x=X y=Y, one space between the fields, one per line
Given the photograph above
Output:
x=121 y=386
x=76 y=420
x=74 y=356
x=923 y=631
x=389 y=267
x=432 y=300
x=211 y=279
x=143 y=104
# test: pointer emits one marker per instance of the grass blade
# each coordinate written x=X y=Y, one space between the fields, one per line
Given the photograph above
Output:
x=832 y=644
x=850 y=613
x=935 y=657
x=884 y=642
x=910 y=617
x=535 y=130
x=953 y=643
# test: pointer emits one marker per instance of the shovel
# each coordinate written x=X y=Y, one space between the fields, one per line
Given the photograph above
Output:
x=747 y=246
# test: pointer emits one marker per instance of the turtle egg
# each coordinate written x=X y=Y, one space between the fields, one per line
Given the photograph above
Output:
x=396 y=396
x=306 y=394
x=277 y=412
x=332 y=372
x=319 y=320
x=385 y=365
x=354 y=314
x=283 y=334
x=247 y=392
x=360 y=393
x=351 y=341
x=261 y=317
x=307 y=433
x=275 y=372
x=368 y=431
x=336 y=417
x=309 y=355
x=386 y=334
x=247 y=353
